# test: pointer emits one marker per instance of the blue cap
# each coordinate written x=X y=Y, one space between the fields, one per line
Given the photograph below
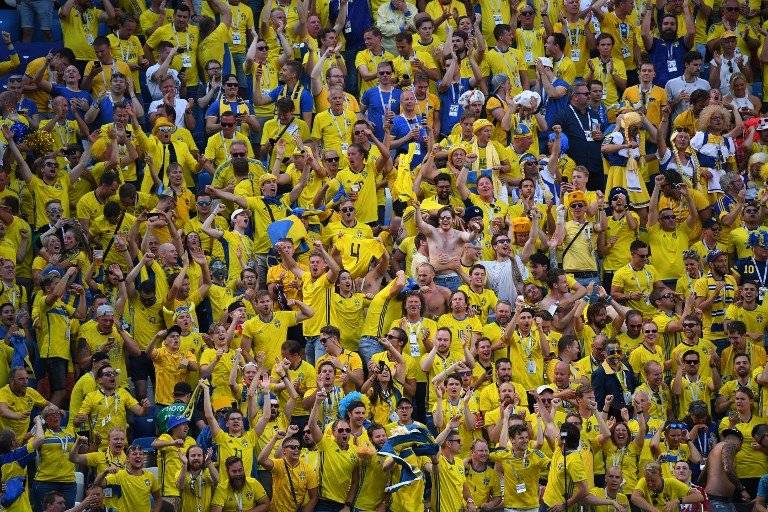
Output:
x=175 y=421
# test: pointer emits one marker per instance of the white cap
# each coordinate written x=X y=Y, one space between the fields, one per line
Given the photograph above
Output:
x=543 y=388
x=104 y=309
x=236 y=213
x=546 y=62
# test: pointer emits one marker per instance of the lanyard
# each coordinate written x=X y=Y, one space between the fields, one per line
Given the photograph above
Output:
x=125 y=54
x=176 y=37
x=64 y=139
x=694 y=384
x=389 y=100
x=238 y=500
x=764 y=276
x=527 y=345
x=637 y=281
x=342 y=136
x=581 y=125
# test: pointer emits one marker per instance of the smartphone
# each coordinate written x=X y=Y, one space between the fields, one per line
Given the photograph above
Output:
x=564 y=179
x=214 y=204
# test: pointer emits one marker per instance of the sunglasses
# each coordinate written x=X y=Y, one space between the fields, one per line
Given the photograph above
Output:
x=503 y=241
x=204 y=204
x=577 y=205
x=348 y=209
x=650 y=331
x=667 y=217
x=332 y=159
x=446 y=217
x=227 y=125
x=689 y=325
x=526 y=13
x=343 y=430
x=238 y=155
x=359 y=132
x=384 y=72
x=691 y=361
x=232 y=84
x=165 y=129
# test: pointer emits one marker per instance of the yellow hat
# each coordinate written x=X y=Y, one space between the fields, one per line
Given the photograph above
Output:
x=160 y=122
x=264 y=178
x=576 y=196
x=480 y=124
x=521 y=224
x=728 y=34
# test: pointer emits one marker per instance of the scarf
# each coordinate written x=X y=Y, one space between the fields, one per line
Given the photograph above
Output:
x=491 y=160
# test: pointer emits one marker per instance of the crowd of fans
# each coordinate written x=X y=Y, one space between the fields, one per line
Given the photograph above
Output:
x=366 y=255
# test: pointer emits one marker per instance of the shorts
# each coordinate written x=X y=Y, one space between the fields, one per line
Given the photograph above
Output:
x=140 y=367
x=56 y=370
x=28 y=9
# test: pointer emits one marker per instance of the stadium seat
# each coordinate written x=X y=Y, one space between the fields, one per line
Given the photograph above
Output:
x=9 y=22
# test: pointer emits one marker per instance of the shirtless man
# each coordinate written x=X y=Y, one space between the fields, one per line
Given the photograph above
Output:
x=446 y=245
x=722 y=482
x=436 y=297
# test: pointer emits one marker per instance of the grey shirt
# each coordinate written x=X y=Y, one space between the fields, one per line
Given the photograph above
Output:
x=677 y=86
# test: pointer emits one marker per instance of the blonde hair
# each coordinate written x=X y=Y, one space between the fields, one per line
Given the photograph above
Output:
x=708 y=112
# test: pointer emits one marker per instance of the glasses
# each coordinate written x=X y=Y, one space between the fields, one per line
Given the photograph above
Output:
x=204 y=204
x=667 y=217
x=232 y=84
x=384 y=73
x=446 y=217
x=613 y=351
x=343 y=430
x=291 y=447
x=526 y=13
x=546 y=400
x=108 y=374
x=393 y=337
x=332 y=159
x=239 y=155
x=165 y=129
x=650 y=331
x=348 y=209
x=689 y=325
x=691 y=361
x=577 y=205
x=503 y=241
x=227 y=125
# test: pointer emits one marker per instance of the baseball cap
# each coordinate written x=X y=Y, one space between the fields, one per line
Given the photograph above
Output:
x=181 y=389
x=236 y=213
x=471 y=212
x=543 y=388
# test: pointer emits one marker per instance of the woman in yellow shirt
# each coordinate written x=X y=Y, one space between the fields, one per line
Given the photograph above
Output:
x=217 y=362
x=383 y=391
x=348 y=308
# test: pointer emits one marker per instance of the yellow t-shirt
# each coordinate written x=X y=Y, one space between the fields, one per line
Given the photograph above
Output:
x=79 y=30
x=447 y=487
x=336 y=469
x=290 y=484
x=266 y=336
x=169 y=464
x=521 y=477
x=107 y=411
x=187 y=40
x=101 y=81
x=168 y=371
x=630 y=280
x=135 y=489
x=229 y=501
x=555 y=490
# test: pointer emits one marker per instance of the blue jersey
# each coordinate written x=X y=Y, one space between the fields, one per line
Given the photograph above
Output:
x=374 y=100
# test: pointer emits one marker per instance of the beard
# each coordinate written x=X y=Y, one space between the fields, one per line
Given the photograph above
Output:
x=237 y=482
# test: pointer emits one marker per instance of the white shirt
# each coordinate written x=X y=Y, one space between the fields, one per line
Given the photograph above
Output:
x=178 y=104
x=154 y=86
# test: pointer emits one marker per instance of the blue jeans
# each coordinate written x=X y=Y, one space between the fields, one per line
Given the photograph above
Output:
x=40 y=489
x=369 y=345
x=717 y=505
x=450 y=281
x=313 y=350
x=585 y=281
x=28 y=9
